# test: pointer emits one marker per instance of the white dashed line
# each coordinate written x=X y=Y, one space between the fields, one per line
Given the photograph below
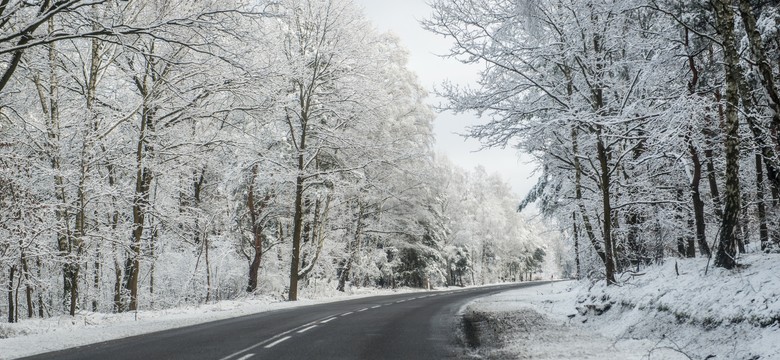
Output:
x=276 y=342
x=327 y=320
x=347 y=313
x=247 y=356
x=363 y=309
x=301 y=331
x=376 y=306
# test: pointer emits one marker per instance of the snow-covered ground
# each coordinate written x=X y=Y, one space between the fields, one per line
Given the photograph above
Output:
x=654 y=315
x=35 y=336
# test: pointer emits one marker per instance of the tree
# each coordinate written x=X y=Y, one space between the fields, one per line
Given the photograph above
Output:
x=727 y=245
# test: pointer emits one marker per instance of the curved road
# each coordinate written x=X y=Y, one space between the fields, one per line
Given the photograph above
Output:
x=403 y=326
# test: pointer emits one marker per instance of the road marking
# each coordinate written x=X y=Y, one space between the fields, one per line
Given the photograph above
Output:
x=363 y=309
x=301 y=331
x=376 y=306
x=347 y=313
x=266 y=341
x=399 y=301
x=327 y=320
x=247 y=356
x=276 y=342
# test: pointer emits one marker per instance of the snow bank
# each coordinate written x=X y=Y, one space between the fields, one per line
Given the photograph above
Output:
x=701 y=295
x=538 y=323
x=678 y=310
x=695 y=309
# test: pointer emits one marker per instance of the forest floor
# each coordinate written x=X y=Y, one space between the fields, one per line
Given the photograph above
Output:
x=682 y=309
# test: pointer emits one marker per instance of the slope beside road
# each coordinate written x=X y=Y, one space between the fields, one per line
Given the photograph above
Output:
x=402 y=326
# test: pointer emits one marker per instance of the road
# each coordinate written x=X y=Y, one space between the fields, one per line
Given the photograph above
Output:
x=418 y=325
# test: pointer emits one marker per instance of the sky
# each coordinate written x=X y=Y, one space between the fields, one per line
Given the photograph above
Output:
x=402 y=17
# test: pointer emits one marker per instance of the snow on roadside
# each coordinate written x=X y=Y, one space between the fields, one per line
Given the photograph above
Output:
x=536 y=325
x=35 y=336
x=670 y=311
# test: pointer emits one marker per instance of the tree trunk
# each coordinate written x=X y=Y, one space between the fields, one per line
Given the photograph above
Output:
x=257 y=233
x=96 y=279
x=678 y=217
x=27 y=287
x=609 y=251
x=40 y=293
x=765 y=156
x=297 y=230
x=698 y=205
x=727 y=251
x=576 y=245
x=763 y=232
x=11 y=309
x=143 y=181
x=208 y=268
x=578 y=197
x=300 y=180
x=352 y=250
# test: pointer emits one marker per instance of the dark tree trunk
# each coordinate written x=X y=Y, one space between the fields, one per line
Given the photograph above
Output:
x=297 y=232
x=257 y=231
x=698 y=206
x=11 y=309
x=763 y=232
x=605 y=192
x=727 y=250
x=73 y=279
x=27 y=287
x=679 y=215
x=576 y=244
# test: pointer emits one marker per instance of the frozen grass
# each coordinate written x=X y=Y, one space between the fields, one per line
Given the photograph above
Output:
x=656 y=315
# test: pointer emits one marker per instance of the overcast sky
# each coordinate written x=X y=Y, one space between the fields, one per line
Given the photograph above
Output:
x=402 y=17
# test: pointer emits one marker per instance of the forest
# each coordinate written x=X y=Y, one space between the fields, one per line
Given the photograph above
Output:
x=656 y=123
x=164 y=153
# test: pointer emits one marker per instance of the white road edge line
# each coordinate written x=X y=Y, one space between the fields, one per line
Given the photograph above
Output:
x=247 y=356
x=276 y=342
x=327 y=320
x=301 y=331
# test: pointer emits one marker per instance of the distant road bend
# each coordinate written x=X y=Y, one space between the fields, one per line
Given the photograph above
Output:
x=401 y=326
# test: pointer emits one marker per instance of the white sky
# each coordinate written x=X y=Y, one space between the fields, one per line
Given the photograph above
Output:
x=401 y=17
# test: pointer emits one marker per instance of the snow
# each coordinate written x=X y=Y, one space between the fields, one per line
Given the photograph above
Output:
x=702 y=313
x=35 y=336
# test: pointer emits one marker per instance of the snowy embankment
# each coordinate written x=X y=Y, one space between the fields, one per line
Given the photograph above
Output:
x=35 y=336
x=671 y=311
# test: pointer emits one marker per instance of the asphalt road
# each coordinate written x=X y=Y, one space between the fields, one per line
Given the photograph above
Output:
x=418 y=325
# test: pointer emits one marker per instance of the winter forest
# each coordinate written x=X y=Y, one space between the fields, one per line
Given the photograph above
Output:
x=656 y=123
x=156 y=154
